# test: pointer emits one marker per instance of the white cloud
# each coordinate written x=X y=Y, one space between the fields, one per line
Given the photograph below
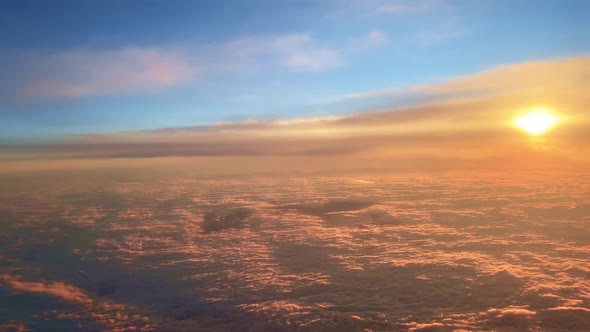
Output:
x=313 y=60
x=249 y=97
x=443 y=32
x=405 y=6
x=298 y=52
x=376 y=37
x=373 y=38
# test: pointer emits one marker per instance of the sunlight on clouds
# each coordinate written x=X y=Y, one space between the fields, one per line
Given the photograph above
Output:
x=561 y=78
x=171 y=249
x=462 y=119
x=537 y=121
x=67 y=293
x=179 y=166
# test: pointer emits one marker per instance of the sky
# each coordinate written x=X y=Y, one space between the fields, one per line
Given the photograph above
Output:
x=72 y=67
x=418 y=165
x=137 y=79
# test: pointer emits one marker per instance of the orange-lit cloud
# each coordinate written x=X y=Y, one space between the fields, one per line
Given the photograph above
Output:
x=466 y=119
x=65 y=292
x=552 y=77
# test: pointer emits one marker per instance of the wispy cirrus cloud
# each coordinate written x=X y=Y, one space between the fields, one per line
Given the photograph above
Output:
x=461 y=120
x=408 y=6
x=86 y=73
x=376 y=37
x=445 y=26
x=537 y=77
x=373 y=38
x=81 y=73
x=298 y=52
x=391 y=6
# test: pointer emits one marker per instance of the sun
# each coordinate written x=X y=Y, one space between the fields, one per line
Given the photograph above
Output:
x=537 y=121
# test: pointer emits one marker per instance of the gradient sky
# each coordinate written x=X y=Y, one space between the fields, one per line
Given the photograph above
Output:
x=74 y=67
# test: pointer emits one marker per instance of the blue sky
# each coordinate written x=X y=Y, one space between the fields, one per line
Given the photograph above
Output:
x=71 y=67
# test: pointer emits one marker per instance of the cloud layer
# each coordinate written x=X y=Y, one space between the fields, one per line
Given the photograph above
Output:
x=182 y=249
x=467 y=119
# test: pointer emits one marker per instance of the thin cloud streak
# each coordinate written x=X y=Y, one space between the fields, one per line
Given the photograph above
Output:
x=534 y=76
x=299 y=52
x=408 y=6
x=64 y=292
x=85 y=73
x=372 y=39
x=466 y=118
x=81 y=73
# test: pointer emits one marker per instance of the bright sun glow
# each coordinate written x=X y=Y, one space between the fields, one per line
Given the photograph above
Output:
x=536 y=121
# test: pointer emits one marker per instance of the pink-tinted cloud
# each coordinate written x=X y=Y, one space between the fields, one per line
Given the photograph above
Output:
x=81 y=73
x=86 y=73
x=60 y=290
